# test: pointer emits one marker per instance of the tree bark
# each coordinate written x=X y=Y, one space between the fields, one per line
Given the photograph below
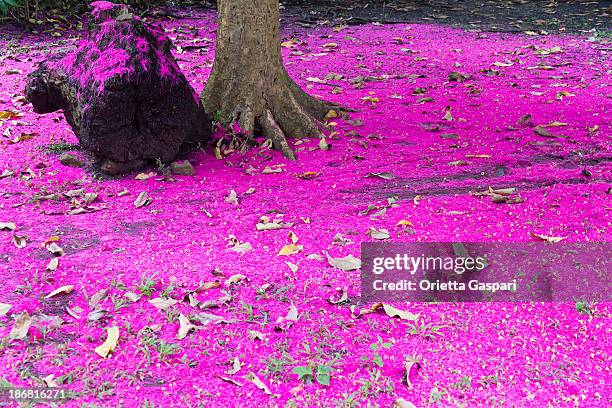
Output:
x=249 y=84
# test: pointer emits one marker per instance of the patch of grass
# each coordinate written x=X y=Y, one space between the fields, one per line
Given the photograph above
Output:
x=436 y=395
x=59 y=148
x=147 y=284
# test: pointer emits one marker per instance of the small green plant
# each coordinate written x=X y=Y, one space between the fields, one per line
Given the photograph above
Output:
x=426 y=330
x=147 y=284
x=436 y=395
x=163 y=167
x=584 y=307
x=464 y=383
x=167 y=349
x=379 y=345
x=307 y=374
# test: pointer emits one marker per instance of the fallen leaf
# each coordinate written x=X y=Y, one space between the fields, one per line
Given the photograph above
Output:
x=232 y=198
x=132 y=297
x=323 y=145
x=236 y=366
x=402 y=314
x=383 y=175
x=259 y=384
x=53 y=264
x=4 y=308
x=348 y=263
x=96 y=315
x=290 y=249
x=73 y=313
x=242 y=248
x=185 y=327
x=142 y=200
x=255 y=335
x=234 y=279
x=7 y=226
x=97 y=298
x=20 y=241
x=335 y=299
x=62 y=290
x=145 y=176
x=55 y=249
x=410 y=366
x=548 y=238
x=404 y=223
x=207 y=318
x=230 y=380
x=49 y=381
x=402 y=403
x=555 y=124
x=111 y=342
x=21 y=326
x=378 y=233
x=523 y=120
x=163 y=303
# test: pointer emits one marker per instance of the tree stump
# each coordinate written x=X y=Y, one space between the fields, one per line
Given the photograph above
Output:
x=122 y=91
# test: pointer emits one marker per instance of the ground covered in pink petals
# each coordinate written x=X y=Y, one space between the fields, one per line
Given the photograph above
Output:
x=441 y=113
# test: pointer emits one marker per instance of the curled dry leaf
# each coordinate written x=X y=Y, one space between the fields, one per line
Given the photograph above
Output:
x=232 y=198
x=112 y=337
x=259 y=384
x=73 y=312
x=389 y=311
x=548 y=238
x=207 y=318
x=95 y=300
x=7 y=226
x=184 y=328
x=142 y=200
x=50 y=381
x=402 y=403
x=402 y=314
x=378 y=233
x=410 y=367
x=335 y=299
x=55 y=249
x=53 y=264
x=96 y=315
x=255 y=335
x=348 y=263
x=21 y=326
x=323 y=145
x=230 y=380
x=234 y=279
x=132 y=297
x=163 y=303
x=4 y=309
x=284 y=322
x=145 y=176
x=20 y=241
x=236 y=366
x=290 y=249
x=384 y=175
x=242 y=248
x=62 y=290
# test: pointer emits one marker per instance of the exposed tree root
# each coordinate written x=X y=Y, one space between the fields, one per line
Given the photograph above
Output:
x=278 y=112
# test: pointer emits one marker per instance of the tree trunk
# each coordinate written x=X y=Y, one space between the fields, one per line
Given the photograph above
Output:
x=249 y=84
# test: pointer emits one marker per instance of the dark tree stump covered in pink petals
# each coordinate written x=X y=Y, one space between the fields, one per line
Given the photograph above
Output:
x=121 y=91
